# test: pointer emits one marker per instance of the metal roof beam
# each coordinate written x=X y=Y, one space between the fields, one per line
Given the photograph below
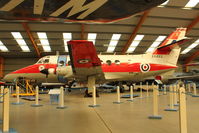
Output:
x=82 y=31
x=27 y=29
x=136 y=29
x=189 y=27
x=1 y=67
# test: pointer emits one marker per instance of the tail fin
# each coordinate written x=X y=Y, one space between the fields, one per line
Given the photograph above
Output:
x=174 y=39
x=170 y=49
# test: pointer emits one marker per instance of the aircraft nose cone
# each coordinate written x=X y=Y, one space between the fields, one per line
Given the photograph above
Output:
x=7 y=78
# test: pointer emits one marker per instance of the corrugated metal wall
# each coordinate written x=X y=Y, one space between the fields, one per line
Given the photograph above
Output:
x=12 y=64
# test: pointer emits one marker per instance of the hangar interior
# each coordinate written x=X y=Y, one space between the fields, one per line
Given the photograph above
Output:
x=159 y=22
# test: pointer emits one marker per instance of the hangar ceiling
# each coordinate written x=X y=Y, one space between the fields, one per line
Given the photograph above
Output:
x=159 y=21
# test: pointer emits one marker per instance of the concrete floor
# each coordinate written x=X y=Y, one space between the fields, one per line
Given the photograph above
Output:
x=128 y=117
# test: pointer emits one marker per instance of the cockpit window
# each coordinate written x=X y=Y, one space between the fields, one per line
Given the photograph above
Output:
x=46 y=61
x=43 y=61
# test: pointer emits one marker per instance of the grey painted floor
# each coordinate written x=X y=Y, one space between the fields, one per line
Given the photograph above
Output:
x=128 y=117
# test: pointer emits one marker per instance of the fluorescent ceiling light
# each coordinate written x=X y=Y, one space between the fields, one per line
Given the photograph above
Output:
x=17 y=35
x=138 y=37
x=116 y=37
x=3 y=48
x=110 y=49
x=191 y=4
x=44 y=41
x=92 y=37
x=135 y=43
x=196 y=43
x=25 y=48
x=163 y=4
x=113 y=42
x=19 y=39
x=156 y=43
x=131 y=49
x=150 y=49
x=67 y=37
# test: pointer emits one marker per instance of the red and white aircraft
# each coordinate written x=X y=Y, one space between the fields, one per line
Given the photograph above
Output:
x=84 y=65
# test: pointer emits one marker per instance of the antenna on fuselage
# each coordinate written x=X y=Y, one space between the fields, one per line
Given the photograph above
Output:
x=57 y=53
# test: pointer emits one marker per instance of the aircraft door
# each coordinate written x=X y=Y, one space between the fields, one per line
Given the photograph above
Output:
x=62 y=59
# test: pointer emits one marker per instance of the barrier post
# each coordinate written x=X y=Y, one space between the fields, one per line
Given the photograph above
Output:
x=36 y=98
x=171 y=106
x=165 y=90
x=175 y=103
x=194 y=91
x=131 y=94
x=61 y=99
x=183 y=111
x=6 y=110
x=147 y=89
x=155 y=104
x=189 y=88
x=17 y=95
x=1 y=98
x=118 y=96
x=140 y=89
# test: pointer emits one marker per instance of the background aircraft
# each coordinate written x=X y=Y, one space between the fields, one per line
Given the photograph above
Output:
x=73 y=10
x=83 y=65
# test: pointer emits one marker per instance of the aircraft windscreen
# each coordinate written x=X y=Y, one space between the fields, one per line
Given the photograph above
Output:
x=43 y=61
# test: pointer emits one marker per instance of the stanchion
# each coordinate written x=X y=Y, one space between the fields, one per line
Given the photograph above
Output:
x=165 y=90
x=189 y=88
x=147 y=89
x=171 y=106
x=91 y=84
x=1 y=98
x=61 y=99
x=6 y=105
x=36 y=98
x=118 y=96
x=175 y=103
x=140 y=89
x=194 y=91
x=17 y=95
x=131 y=94
x=183 y=111
x=155 y=105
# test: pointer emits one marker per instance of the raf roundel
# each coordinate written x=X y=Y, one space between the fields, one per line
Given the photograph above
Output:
x=41 y=67
x=145 y=67
x=83 y=61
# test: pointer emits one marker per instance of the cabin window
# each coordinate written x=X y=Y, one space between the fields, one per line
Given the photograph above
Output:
x=108 y=62
x=117 y=62
x=69 y=62
x=61 y=63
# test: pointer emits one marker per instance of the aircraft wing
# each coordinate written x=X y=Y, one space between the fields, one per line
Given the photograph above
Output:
x=84 y=60
x=100 y=11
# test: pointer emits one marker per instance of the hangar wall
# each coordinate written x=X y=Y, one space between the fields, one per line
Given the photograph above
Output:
x=12 y=64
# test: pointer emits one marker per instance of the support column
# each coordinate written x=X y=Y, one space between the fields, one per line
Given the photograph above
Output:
x=36 y=98
x=17 y=95
x=155 y=104
x=118 y=96
x=61 y=99
x=189 y=88
x=183 y=111
x=171 y=106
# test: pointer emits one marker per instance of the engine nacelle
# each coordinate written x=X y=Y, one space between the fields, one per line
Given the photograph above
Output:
x=65 y=71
